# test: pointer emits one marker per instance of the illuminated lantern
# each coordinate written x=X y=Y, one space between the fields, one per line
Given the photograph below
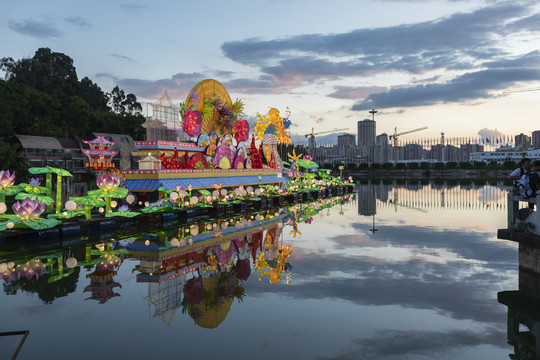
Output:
x=241 y=131
x=192 y=122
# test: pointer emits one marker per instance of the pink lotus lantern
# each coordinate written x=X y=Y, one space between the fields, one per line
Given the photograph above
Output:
x=192 y=122
x=6 y=179
x=29 y=209
x=108 y=182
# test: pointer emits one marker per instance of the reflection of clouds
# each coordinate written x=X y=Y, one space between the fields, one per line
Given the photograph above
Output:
x=395 y=344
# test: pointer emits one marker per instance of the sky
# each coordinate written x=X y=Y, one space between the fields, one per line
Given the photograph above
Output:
x=461 y=67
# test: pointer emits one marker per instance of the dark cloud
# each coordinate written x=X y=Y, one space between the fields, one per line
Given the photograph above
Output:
x=131 y=7
x=223 y=74
x=37 y=29
x=470 y=86
x=178 y=86
x=78 y=21
x=122 y=57
x=399 y=344
x=469 y=42
x=355 y=93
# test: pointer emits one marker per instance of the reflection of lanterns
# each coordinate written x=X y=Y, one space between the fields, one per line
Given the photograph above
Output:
x=194 y=230
x=71 y=262
x=175 y=242
x=109 y=262
x=224 y=225
x=190 y=242
x=3 y=267
x=147 y=242
x=182 y=242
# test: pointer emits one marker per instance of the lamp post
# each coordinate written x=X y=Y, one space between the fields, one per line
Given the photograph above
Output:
x=341 y=167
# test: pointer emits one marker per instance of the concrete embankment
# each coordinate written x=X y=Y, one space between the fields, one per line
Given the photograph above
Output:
x=428 y=173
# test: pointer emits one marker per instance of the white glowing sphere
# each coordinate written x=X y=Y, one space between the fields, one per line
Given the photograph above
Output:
x=174 y=196
x=276 y=214
x=114 y=204
x=182 y=193
x=65 y=213
x=10 y=264
x=194 y=230
x=130 y=199
x=3 y=267
x=190 y=242
x=224 y=225
x=140 y=202
x=215 y=193
x=147 y=242
x=237 y=191
x=110 y=211
x=237 y=225
x=182 y=242
x=223 y=192
x=215 y=227
x=10 y=225
x=208 y=198
x=249 y=189
x=70 y=205
x=146 y=203
x=249 y=223
x=208 y=226
x=3 y=208
x=194 y=200
x=175 y=242
x=258 y=192
x=71 y=262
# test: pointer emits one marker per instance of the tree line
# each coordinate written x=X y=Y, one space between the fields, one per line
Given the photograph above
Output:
x=43 y=96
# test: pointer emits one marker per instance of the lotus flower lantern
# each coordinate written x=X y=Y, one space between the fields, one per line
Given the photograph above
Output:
x=108 y=182
x=29 y=209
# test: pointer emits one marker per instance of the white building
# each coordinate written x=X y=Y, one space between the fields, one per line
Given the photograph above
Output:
x=502 y=156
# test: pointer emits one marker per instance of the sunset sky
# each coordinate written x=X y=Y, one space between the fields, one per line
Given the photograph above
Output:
x=454 y=66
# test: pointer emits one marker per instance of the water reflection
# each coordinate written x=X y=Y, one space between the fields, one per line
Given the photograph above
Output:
x=198 y=268
x=424 y=286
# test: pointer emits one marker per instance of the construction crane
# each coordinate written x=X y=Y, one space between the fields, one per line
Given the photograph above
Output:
x=521 y=90
x=313 y=134
x=395 y=136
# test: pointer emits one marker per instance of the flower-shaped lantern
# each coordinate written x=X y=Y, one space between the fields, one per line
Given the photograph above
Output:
x=29 y=209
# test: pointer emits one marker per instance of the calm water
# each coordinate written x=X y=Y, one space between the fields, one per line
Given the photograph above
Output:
x=398 y=272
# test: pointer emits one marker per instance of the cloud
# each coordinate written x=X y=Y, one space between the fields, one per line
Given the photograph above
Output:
x=131 y=7
x=178 y=86
x=355 y=93
x=317 y=119
x=398 y=344
x=470 y=44
x=469 y=86
x=122 y=57
x=78 y=21
x=489 y=133
x=37 y=29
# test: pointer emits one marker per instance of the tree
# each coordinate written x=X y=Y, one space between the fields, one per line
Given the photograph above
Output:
x=47 y=71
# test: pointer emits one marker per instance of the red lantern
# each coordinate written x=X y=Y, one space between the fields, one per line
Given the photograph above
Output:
x=192 y=122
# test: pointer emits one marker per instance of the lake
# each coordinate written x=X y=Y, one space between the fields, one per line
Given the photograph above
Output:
x=398 y=271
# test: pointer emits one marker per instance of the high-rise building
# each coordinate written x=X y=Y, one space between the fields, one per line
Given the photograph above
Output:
x=382 y=149
x=536 y=139
x=523 y=142
x=366 y=133
x=346 y=140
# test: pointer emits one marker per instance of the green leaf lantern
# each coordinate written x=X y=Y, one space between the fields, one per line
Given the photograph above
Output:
x=108 y=188
x=88 y=202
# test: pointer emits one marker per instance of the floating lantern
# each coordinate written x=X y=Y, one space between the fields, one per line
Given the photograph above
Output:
x=3 y=208
x=130 y=199
x=71 y=262
x=70 y=205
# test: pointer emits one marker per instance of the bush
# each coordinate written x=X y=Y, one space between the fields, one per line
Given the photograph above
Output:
x=363 y=166
x=438 y=165
x=351 y=166
x=479 y=164
x=493 y=164
x=413 y=165
x=510 y=164
x=387 y=165
x=465 y=165
x=424 y=165
x=375 y=165
x=451 y=164
x=401 y=166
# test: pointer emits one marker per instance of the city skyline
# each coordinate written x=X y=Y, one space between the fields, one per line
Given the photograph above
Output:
x=465 y=68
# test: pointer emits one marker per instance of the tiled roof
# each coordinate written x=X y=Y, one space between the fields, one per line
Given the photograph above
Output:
x=200 y=183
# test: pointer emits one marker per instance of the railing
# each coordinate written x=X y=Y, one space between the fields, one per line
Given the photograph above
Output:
x=21 y=343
